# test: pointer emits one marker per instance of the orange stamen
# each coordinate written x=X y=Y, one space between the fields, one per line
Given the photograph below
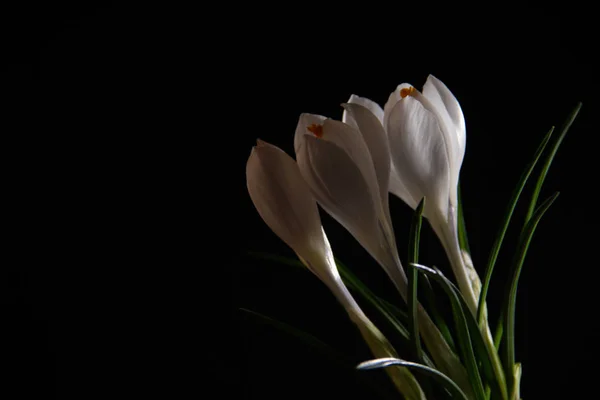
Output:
x=406 y=91
x=316 y=130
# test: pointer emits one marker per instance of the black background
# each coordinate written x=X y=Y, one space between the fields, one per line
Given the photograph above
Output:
x=125 y=140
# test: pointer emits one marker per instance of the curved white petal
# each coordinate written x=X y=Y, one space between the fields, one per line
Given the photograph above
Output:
x=341 y=189
x=368 y=104
x=337 y=165
x=284 y=201
x=347 y=139
x=399 y=189
x=397 y=185
x=450 y=111
x=392 y=100
x=376 y=140
x=420 y=154
x=302 y=128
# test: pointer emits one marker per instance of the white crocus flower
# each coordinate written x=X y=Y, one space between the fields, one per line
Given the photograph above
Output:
x=284 y=201
x=337 y=164
x=347 y=167
x=427 y=137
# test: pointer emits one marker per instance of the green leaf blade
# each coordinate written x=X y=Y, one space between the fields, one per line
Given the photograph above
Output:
x=413 y=274
x=507 y=218
x=548 y=162
x=511 y=301
x=463 y=240
x=498 y=335
x=445 y=381
x=463 y=335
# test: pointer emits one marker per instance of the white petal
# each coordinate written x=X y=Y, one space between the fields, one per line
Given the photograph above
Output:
x=392 y=100
x=284 y=201
x=340 y=171
x=376 y=140
x=341 y=189
x=419 y=153
x=349 y=140
x=399 y=189
x=304 y=122
x=451 y=145
x=450 y=111
x=325 y=268
x=369 y=104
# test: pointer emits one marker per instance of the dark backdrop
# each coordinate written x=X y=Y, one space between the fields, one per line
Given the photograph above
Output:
x=126 y=136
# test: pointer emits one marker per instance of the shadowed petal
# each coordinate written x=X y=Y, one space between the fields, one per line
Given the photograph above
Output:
x=283 y=199
x=341 y=189
x=368 y=104
x=376 y=140
x=346 y=138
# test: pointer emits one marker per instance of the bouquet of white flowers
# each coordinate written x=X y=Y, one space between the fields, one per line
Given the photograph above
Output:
x=413 y=147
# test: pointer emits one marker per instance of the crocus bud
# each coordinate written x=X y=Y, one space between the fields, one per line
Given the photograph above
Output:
x=427 y=138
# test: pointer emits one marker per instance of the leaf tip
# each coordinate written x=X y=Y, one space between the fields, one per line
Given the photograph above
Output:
x=378 y=363
x=424 y=268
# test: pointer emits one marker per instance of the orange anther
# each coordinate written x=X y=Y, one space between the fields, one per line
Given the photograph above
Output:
x=406 y=91
x=316 y=130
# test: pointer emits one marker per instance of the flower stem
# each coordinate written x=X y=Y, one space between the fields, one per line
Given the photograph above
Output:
x=470 y=287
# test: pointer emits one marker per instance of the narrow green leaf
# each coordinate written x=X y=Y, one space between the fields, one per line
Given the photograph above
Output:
x=464 y=337
x=511 y=301
x=499 y=332
x=534 y=198
x=401 y=315
x=507 y=217
x=490 y=363
x=462 y=227
x=413 y=275
x=427 y=290
x=395 y=317
x=445 y=381
x=357 y=286
x=538 y=186
x=431 y=306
